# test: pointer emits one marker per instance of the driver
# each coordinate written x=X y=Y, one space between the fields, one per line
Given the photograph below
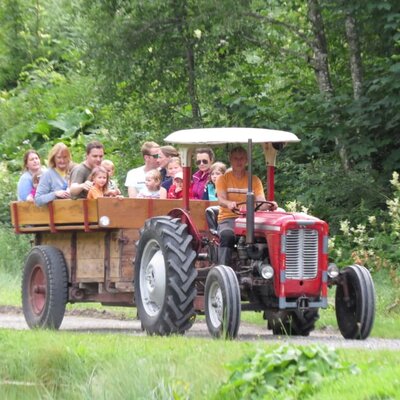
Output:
x=232 y=189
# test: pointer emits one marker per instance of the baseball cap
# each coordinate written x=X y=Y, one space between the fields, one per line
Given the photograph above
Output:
x=178 y=175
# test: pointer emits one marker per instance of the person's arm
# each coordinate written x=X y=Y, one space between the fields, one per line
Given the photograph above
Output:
x=260 y=196
x=45 y=191
x=25 y=186
x=223 y=200
x=163 y=193
x=78 y=184
x=132 y=192
x=76 y=188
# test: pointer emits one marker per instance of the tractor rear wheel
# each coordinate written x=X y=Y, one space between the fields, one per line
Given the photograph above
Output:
x=355 y=302
x=44 y=287
x=165 y=277
x=294 y=323
x=222 y=302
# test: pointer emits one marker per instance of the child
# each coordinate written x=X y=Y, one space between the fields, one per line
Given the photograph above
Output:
x=174 y=166
x=99 y=177
x=113 y=190
x=176 y=189
x=35 y=183
x=216 y=170
x=152 y=182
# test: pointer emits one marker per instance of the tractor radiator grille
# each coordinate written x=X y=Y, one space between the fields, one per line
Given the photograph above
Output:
x=301 y=247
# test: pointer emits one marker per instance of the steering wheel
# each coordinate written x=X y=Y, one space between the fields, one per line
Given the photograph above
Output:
x=257 y=206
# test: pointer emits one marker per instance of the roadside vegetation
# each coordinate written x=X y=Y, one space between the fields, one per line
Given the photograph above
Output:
x=45 y=364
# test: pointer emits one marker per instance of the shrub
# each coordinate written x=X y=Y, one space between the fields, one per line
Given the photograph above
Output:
x=286 y=373
x=375 y=243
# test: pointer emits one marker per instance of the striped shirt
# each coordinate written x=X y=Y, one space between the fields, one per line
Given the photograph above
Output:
x=236 y=190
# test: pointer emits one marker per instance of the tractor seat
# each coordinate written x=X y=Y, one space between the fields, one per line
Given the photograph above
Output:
x=212 y=218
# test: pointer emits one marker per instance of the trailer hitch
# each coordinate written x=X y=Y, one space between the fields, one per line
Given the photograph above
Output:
x=303 y=303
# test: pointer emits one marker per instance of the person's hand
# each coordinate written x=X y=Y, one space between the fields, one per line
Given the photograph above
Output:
x=63 y=194
x=273 y=206
x=87 y=185
x=269 y=206
x=231 y=205
x=112 y=193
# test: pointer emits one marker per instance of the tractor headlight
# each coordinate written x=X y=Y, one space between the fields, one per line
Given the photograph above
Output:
x=266 y=271
x=333 y=270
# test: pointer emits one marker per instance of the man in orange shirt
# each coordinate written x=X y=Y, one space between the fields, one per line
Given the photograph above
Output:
x=232 y=189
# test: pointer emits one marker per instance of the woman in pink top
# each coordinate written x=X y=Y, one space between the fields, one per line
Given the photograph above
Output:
x=204 y=159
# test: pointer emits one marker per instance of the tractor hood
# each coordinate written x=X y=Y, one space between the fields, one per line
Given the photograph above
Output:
x=274 y=222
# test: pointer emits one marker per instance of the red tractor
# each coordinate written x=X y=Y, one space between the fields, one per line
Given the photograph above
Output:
x=161 y=256
x=280 y=265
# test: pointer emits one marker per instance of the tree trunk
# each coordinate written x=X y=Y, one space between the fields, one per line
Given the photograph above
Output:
x=320 y=48
x=181 y=16
x=355 y=55
x=321 y=65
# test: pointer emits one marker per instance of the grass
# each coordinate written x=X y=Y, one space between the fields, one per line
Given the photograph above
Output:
x=46 y=364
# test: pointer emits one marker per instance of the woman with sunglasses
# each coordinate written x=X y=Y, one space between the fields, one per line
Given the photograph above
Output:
x=204 y=159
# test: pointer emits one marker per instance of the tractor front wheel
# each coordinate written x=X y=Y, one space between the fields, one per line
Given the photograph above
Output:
x=165 y=277
x=355 y=302
x=44 y=287
x=222 y=302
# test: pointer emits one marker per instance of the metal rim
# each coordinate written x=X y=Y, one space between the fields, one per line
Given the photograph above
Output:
x=37 y=289
x=152 y=278
x=216 y=302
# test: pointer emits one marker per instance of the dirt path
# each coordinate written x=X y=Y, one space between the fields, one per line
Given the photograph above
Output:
x=12 y=318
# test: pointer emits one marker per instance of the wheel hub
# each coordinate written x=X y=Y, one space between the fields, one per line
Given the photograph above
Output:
x=217 y=305
x=153 y=279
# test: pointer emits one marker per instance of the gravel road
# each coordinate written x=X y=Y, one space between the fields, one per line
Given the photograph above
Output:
x=248 y=332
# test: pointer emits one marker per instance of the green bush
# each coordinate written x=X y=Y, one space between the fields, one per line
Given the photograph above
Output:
x=374 y=243
x=286 y=373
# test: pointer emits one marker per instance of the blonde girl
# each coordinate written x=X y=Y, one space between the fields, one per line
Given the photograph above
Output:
x=216 y=170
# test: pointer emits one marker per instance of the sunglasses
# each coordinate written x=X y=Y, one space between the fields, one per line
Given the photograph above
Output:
x=154 y=155
x=198 y=162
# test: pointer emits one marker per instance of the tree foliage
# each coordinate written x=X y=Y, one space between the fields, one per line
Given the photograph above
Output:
x=125 y=72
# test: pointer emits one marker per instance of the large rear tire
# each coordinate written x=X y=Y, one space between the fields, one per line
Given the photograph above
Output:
x=294 y=323
x=222 y=302
x=355 y=302
x=44 y=287
x=165 y=277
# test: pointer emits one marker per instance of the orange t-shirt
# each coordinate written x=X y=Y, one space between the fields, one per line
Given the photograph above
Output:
x=236 y=190
x=94 y=193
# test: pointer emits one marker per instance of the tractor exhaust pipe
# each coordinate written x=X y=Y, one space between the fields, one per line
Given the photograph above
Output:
x=250 y=195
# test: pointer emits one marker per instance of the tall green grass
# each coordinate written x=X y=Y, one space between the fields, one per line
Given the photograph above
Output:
x=58 y=365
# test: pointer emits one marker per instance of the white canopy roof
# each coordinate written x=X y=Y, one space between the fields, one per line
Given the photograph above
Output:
x=214 y=136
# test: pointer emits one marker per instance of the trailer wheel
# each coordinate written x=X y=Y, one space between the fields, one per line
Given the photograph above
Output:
x=165 y=277
x=355 y=303
x=294 y=323
x=222 y=302
x=44 y=287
